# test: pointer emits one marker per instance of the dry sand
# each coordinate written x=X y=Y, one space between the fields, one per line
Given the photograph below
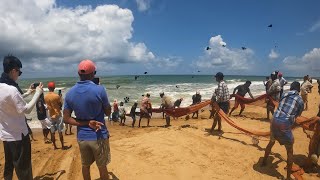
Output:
x=177 y=152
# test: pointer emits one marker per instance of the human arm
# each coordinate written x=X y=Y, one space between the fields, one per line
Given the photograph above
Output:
x=22 y=106
x=235 y=89
x=96 y=125
x=250 y=94
x=29 y=91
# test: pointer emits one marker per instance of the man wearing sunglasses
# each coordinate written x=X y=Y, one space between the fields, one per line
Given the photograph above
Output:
x=13 y=128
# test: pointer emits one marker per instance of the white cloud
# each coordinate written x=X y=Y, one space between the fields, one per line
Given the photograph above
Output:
x=225 y=58
x=273 y=54
x=143 y=5
x=169 y=62
x=46 y=35
x=315 y=26
x=307 y=63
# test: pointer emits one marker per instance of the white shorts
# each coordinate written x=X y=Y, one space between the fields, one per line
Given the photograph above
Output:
x=57 y=124
x=46 y=123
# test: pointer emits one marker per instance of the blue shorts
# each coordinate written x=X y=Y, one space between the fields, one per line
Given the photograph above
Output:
x=57 y=124
x=282 y=132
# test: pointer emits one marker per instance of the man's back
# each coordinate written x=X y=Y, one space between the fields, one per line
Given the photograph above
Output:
x=290 y=106
x=12 y=119
x=54 y=104
x=196 y=98
x=305 y=87
x=167 y=101
x=275 y=90
x=88 y=101
x=242 y=90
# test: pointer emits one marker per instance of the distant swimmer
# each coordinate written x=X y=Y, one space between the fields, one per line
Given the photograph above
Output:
x=208 y=48
x=177 y=86
x=136 y=77
x=242 y=90
x=270 y=25
x=126 y=99
x=118 y=86
x=243 y=48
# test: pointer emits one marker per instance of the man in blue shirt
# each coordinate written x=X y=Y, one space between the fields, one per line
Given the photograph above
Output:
x=89 y=103
x=290 y=106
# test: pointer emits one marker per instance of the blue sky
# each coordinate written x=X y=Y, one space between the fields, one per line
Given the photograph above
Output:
x=170 y=36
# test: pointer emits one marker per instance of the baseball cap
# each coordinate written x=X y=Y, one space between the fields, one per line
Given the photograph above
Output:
x=86 y=67
x=51 y=85
x=219 y=74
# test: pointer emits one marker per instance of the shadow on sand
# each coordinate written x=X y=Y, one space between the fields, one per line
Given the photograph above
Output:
x=50 y=176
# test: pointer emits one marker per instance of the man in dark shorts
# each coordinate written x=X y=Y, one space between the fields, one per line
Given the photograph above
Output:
x=133 y=112
x=43 y=118
x=290 y=106
x=222 y=97
x=196 y=99
x=242 y=90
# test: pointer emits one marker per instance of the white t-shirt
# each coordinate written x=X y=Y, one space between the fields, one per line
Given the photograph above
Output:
x=12 y=118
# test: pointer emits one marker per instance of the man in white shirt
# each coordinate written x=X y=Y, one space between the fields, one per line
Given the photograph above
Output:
x=13 y=128
x=305 y=90
x=282 y=82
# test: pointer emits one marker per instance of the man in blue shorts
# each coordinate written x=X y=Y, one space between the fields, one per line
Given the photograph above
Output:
x=290 y=106
x=90 y=103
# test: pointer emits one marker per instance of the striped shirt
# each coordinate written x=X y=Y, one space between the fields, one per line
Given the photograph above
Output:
x=290 y=106
x=222 y=92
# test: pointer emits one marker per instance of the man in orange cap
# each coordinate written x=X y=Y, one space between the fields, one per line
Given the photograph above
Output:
x=90 y=103
x=54 y=105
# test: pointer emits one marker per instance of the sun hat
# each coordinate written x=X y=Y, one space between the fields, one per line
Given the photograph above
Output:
x=86 y=67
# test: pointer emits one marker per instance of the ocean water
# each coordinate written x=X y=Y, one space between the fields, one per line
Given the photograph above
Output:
x=176 y=86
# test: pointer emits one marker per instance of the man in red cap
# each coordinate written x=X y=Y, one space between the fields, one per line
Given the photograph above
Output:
x=90 y=103
x=54 y=105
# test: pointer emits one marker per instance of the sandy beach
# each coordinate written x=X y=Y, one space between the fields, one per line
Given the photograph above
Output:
x=183 y=151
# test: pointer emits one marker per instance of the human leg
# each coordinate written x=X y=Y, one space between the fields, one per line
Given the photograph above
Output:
x=267 y=152
x=289 y=149
x=9 y=150
x=242 y=108
x=103 y=157
x=22 y=162
x=236 y=104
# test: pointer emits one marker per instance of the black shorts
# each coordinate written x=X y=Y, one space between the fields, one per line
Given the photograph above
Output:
x=224 y=106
